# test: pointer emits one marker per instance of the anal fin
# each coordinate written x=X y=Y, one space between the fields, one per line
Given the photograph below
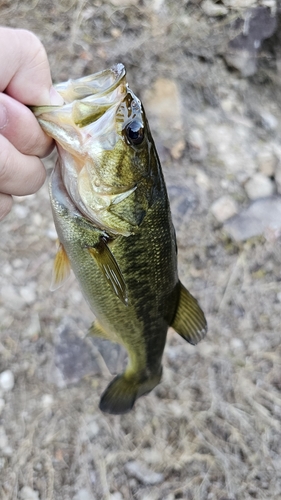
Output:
x=61 y=268
x=189 y=321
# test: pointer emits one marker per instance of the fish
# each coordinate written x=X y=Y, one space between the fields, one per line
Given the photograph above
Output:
x=112 y=216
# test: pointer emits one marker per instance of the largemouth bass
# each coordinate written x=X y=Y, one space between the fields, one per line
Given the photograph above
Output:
x=113 y=220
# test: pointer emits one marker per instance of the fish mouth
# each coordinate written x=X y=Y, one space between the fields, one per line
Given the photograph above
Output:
x=89 y=133
x=86 y=100
x=99 y=85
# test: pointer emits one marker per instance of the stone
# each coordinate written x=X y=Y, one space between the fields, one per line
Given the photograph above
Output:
x=27 y=493
x=162 y=103
x=259 y=186
x=47 y=400
x=83 y=494
x=261 y=217
x=7 y=380
x=197 y=145
x=267 y=162
x=258 y=24
x=143 y=474
x=224 y=208
x=212 y=9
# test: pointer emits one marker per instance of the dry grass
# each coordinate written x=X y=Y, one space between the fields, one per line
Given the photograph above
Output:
x=212 y=427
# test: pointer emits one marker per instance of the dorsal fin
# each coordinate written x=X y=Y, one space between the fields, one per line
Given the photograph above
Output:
x=189 y=321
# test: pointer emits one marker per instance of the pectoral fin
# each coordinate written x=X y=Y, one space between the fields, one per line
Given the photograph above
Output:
x=111 y=271
x=61 y=268
x=189 y=320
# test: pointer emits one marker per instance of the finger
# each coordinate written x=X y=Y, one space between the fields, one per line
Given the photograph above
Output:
x=19 y=125
x=19 y=174
x=27 y=75
x=6 y=202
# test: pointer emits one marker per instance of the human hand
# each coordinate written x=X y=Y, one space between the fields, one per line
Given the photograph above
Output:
x=25 y=79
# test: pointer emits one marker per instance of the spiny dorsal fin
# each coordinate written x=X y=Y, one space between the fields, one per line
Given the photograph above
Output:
x=61 y=268
x=189 y=320
x=111 y=271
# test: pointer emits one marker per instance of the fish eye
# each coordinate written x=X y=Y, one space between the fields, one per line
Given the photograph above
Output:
x=135 y=132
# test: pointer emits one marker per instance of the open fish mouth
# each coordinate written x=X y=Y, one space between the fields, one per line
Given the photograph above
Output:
x=86 y=100
x=99 y=168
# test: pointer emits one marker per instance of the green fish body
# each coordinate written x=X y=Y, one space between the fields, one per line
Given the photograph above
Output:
x=113 y=220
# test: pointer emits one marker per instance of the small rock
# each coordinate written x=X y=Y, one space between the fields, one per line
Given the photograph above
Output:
x=83 y=494
x=34 y=328
x=90 y=431
x=143 y=474
x=116 y=496
x=28 y=293
x=21 y=211
x=224 y=208
x=212 y=9
x=47 y=400
x=260 y=217
x=11 y=298
x=163 y=104
x=259 y=186
x=268 y=120
x=267 y=162
x=197 y=145
x=237 y=344
x=27 y=493
x=202 y=180
x=257 y=25
x=177 y=149
x=7 y=380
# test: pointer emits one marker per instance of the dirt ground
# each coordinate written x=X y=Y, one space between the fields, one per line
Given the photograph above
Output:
x=211 y=430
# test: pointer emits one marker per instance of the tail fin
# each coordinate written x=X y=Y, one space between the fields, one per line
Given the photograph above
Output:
x=120 y=395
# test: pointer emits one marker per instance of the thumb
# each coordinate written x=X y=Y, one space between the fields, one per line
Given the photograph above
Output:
x=27 y=76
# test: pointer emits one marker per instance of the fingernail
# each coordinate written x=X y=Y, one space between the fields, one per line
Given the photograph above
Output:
x=3 y=116
x=55 y=97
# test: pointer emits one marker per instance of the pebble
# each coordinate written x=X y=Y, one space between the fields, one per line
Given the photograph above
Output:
x=261 y=217
x=47 y=400
x=142 y=473
x=197 y=145
x=224 y=208
x=90 y=431
x=259 y=186
x=83 y=494
x=267 y=162
x=233 y=149
x=34 y=328
x=7 y=380
x=212 y=9
x=27 y=493
x=28 y=293
x=268 y=120
x=163 y=104
x=11 y=298
x=116 y=496
x=21 y=211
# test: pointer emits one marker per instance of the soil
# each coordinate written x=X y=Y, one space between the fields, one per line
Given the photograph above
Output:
x=211 y=430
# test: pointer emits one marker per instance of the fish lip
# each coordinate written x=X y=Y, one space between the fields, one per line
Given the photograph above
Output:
x=111 y=78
